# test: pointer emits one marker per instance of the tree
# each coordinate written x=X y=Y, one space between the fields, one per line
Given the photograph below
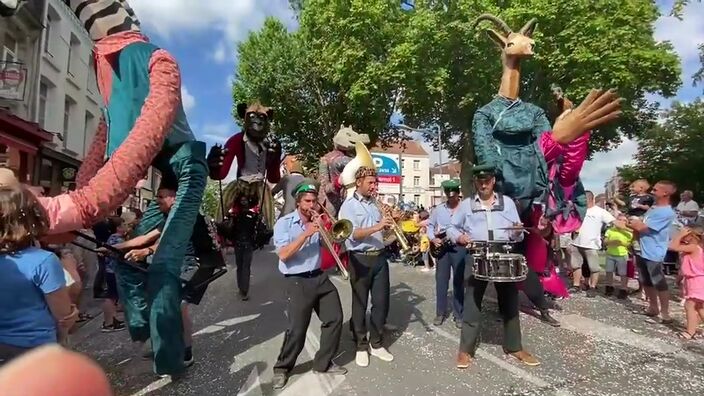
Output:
x=674 y=150
x=210 y=206
x=334 y=69
x=699 y=75
x=452 y=68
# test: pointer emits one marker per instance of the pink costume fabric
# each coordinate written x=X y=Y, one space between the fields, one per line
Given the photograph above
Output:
x=103 y=187
x=693 y=272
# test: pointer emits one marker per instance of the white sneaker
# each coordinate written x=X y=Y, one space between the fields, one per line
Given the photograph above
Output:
x=362 y=359
x=382 y=354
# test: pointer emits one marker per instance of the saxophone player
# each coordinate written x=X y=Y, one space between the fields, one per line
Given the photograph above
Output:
x=297 y=240
x=369 y=268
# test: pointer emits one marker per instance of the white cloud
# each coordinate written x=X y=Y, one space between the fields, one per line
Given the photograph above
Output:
x=188 y=100
x=231 y=19
x=603 y=165
x=217 y=133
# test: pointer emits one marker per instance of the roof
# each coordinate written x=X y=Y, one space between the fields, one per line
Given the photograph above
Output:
x=408 y=147
x=451 y=168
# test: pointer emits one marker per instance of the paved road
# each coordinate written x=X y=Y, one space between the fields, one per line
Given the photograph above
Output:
x=601 y=349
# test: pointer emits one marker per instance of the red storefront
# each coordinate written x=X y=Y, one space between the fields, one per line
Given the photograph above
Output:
x=20 y=141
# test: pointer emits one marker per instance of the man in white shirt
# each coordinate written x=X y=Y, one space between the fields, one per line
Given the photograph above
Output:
x=587 y=244
x=688 y=209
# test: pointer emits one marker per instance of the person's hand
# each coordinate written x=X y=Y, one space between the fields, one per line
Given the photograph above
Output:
x=684 y=232
x=102 y=251
x=311 y=229
x=386 y=223
x=437 y=242
x=138 y=254
x=598 y=108
x=63 y=373
x=216 y=157
x=68 y=321
x=463 y=240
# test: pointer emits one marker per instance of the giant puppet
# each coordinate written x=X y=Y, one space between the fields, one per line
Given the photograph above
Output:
x=143 y=125
x=332 y=164
x=537 y=165
x=258 y=161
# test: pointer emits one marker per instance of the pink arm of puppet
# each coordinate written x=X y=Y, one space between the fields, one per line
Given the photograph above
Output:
x=573 y=158
x=96 y=156
x=115 y=180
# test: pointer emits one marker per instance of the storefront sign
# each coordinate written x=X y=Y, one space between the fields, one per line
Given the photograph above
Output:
x=387 y=167
x=13 y=76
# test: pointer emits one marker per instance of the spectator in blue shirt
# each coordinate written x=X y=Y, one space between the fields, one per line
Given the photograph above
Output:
x=297 y=242
x=654 y=238
x=35 y=307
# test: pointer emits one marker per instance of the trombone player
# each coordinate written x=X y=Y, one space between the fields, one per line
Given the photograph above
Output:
x=298 y=240
x=369 y=268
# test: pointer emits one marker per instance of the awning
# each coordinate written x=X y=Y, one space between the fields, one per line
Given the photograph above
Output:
x=19 y=144
x=61 y=157
x=20 y=131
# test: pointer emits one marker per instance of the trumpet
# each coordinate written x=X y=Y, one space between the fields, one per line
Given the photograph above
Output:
x=340 y=231
x=395 y=228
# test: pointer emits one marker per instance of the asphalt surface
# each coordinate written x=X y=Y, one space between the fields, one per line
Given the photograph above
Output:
x=601 y=349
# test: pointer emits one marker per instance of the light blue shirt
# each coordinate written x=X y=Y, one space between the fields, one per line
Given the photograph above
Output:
x=440 y=219
x=473 y=219
x=653 y=244
x=363 y=213
x=286 y=230
x=26 y=277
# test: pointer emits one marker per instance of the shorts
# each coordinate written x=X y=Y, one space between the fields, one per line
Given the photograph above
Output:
x=111 y=286
x=650 y=274
x=579 y=254
x=105 y=284
x=194 y=272
x=617 y=264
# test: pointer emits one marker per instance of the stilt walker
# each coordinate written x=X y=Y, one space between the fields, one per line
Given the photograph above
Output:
x=143 y=125
x=538 y=166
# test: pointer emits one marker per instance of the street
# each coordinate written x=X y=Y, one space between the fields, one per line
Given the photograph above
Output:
x=601 y=349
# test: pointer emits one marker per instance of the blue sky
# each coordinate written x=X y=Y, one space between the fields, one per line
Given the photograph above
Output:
x=203 y=38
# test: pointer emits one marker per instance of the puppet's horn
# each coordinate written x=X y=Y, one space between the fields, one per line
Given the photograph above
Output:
x=527 y=29
x=497 y=21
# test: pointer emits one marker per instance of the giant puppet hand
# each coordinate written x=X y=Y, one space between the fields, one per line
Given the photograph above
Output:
x=596 y=109
x=112 y=184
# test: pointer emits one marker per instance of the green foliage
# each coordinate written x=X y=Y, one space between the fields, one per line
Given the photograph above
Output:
x=355 y=61
x=453 y=68
x=210 y=206
x=674 y=150
x=679 y=6
x=335 y=69
x=699 y=75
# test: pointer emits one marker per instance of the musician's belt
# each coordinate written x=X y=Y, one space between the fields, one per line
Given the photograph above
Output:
x=308 y=274
x=368 y=252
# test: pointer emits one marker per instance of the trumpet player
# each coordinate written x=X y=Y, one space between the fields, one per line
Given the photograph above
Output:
x=369 y=268
x=298 y=241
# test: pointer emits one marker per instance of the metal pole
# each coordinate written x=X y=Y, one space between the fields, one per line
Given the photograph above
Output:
x=400 y=184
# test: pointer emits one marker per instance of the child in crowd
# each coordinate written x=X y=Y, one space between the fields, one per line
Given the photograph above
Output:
x=119 y=229
x=639 y=201
x=35 y=307
x=688 y=242
x=425 y=249
x=618 y=239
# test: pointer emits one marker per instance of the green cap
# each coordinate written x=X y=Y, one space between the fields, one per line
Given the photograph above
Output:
x=306 y=186
x=481 y=171
x=452 y=184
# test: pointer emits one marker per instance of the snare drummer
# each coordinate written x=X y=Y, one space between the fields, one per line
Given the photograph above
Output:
x=480 y=218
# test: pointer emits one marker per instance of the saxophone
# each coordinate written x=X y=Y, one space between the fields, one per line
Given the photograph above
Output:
x=386 y=211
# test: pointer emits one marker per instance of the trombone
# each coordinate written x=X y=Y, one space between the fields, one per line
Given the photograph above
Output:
x=341 y=230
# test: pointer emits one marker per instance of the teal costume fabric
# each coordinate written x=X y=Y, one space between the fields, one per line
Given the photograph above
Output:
x=506 y=136
x=153 y=300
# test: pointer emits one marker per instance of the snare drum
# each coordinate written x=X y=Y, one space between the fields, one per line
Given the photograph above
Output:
x=499 y=267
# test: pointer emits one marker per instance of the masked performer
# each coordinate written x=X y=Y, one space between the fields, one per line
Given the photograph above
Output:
x=332 y=164
x=146 y=126
x=538 y=166
x=258 y=160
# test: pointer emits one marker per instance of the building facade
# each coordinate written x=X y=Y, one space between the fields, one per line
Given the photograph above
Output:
x=438 y=174
x=20 y=137
x=403 y=173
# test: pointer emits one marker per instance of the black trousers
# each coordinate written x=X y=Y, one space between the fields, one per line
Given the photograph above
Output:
x=534 y=290
x=451 y=263
x=369 y=275
x=507 y=294
x=243 y=260
x=306 y=295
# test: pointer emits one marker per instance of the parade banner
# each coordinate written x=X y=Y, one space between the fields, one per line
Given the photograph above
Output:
x=387 y=167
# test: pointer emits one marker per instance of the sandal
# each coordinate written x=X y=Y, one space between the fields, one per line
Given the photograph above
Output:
x=683 y=335
x=83 y=317
x=645 y=313
x=665 y=322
